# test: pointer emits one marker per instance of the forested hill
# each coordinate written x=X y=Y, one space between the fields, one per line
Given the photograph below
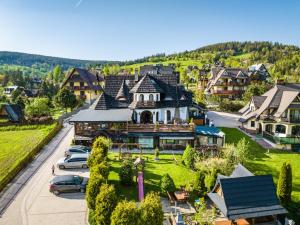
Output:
x=38 y=64
x=283 y=61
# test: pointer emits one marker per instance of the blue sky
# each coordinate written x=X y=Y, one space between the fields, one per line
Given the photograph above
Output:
x=130 y=29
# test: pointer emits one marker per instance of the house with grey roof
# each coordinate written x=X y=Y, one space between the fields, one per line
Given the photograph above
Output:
x=233 y=82
x=243 y=198
x=275 y=115
x=85 y=84
x=150 y=109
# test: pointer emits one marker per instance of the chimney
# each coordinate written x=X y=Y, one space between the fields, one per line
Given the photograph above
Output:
x=136 y=75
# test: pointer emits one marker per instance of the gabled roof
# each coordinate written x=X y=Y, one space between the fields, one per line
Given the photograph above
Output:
x=147 y=84
x=246 y=196
x=172 y=94
x=89 y=77
x=258 y=100
x=278 y=98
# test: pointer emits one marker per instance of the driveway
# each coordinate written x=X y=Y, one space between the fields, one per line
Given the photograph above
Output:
x=35 y=205
x=223 y=119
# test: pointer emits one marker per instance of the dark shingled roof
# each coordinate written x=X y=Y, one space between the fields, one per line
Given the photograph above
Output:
x=147 y=84
x=258 y=100
x=246 y=196
x=172 y=94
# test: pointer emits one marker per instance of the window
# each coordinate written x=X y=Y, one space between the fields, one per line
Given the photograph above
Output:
x=168 y=115
x=151 y=97
x=212 y=140
x=81 y=84
x=82 y=93
x=157 y=97
x=141 y=98
x=71 y=84
x=280 y=129
x=157 y=116
x=252 y=123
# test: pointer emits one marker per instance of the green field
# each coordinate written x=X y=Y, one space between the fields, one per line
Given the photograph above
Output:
x=265 y=162
x=16 y=142
x=154 y=170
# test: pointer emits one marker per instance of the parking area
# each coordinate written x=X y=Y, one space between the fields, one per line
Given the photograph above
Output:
x=223 y=119
x=35 y=205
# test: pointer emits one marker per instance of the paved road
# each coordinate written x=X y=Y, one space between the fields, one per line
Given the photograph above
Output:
x=35 y=205
x=222 y=119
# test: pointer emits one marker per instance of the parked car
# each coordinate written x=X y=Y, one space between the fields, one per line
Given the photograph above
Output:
x=68 y=183
x=74 y=161
x=77 y=149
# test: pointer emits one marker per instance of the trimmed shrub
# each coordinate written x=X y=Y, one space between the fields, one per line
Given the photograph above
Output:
x=167 y=184
x=151 y=210
x=93 y=188
x=103 y=169
x=126 y=173
x=188 y=157
x=284 y=186
x=106 y=202
x=99 y=151
x=210 y=180
x=102 y=143
x=126 y=213
x=199 y=185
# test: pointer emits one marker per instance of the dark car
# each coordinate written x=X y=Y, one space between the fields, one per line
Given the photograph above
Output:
x=77 y=149
x=68 y=183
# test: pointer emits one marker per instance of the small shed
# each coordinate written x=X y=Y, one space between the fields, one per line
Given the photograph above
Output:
x=209 y=136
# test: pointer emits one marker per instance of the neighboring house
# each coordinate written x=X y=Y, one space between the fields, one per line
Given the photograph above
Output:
x=209 y=136
x=12 y=112
x=258 y=72
x=275 y=115
x=233 y=82
x=153 y=110
x=227 y=82
x=85 y=84
x=245 y=199
x=9 y=90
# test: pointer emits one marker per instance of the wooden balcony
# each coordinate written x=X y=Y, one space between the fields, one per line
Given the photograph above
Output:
x=160 y=128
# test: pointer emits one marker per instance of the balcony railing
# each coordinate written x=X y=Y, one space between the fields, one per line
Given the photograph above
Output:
x=282 y=140
x=160 y=128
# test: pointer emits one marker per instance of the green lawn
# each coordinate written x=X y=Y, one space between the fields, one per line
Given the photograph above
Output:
x=16 y=142
x=270 y=163
x=153 y=173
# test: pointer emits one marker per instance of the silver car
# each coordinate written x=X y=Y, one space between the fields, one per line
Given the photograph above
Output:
x=77 y=149
x=74 y=161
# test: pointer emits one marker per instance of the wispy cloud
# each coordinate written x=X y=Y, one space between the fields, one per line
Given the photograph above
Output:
x=78 y=3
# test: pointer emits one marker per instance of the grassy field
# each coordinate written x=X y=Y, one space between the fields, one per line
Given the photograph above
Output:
x=265 y=162
x=154 y=170
x=16 y=142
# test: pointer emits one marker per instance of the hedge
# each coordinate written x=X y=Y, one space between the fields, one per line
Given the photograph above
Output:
x=29 y=157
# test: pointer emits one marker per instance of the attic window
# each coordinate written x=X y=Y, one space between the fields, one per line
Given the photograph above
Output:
x=183 y=97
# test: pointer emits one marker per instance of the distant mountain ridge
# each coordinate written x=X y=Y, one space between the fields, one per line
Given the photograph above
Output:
x=29 y=60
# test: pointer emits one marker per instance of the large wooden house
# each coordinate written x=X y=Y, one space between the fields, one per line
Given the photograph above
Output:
x=150 y=109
